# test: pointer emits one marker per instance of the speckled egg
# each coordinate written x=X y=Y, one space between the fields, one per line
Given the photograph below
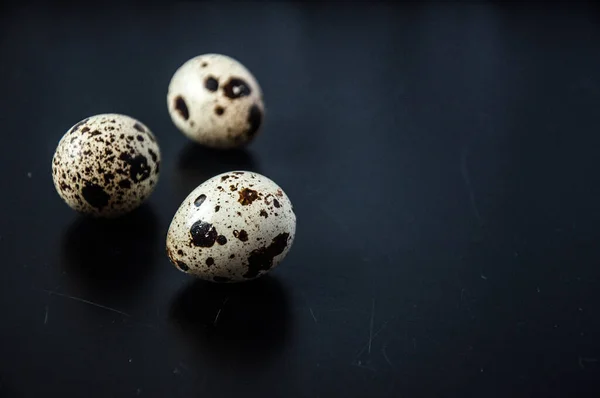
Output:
x=214 y=100
x=234 y=227
x=106 y=165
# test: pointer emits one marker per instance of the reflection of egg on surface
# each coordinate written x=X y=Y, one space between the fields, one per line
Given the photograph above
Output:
x=106 y=165
x=214 y=100
x=234 y=227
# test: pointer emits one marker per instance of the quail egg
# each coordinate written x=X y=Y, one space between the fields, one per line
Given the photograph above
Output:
x=214 y=100
x=234 y=227
x=106 y=165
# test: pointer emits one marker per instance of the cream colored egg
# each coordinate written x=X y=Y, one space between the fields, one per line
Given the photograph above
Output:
x=234 y=227
x=214 y=100
x=106 y=165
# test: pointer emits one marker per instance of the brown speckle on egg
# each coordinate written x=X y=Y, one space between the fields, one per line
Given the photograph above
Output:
x=236 y=88
x=247 y=196
x=203 y=234
x=211 y=84
x=241 y=235
x=181 y=108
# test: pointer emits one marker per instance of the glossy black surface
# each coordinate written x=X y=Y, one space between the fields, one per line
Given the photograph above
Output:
x=442 y=161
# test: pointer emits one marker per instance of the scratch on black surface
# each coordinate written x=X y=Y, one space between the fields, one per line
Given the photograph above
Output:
x=466 y=177
x=313 y=314
x=219 y=312
x=46 y=316
x=87 y=302
x=371 y=338
x=384 y=353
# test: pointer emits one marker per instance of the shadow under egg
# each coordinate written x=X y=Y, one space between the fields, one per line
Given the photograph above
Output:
x=242 y=324
x=111 y=256
x=197 y=164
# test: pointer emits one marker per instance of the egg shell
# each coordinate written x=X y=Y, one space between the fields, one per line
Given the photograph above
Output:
x=234 y=227
x=214 y=100
x=106 y=165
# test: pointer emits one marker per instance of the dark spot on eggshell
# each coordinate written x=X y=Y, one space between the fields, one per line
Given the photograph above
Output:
x=204 y=64
x=153 y=155
x=139 y=127
x=138 y=167
x=140 y=138
x=180 y=252
x=76 y=127
x=85 y=129
x=181 y=107
x=203 y=234
x=225 y=177
x=199 y=200
x=254 y=120
x=264 y=214
x=236 y=88
x=219 y=110
x=182 y=266
x=241 y=235
x=108 y=177
x=276 y=203
x=221 y=279
x=95 y=195
x=210 y=261
x=232 y=188
x=221 y=240
x=211 y=84
x=232 y=256
x=247 y=196
x=261 y=259
x=217 y=208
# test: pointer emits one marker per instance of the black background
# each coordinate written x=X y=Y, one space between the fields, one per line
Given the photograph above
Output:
x=443 y=165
